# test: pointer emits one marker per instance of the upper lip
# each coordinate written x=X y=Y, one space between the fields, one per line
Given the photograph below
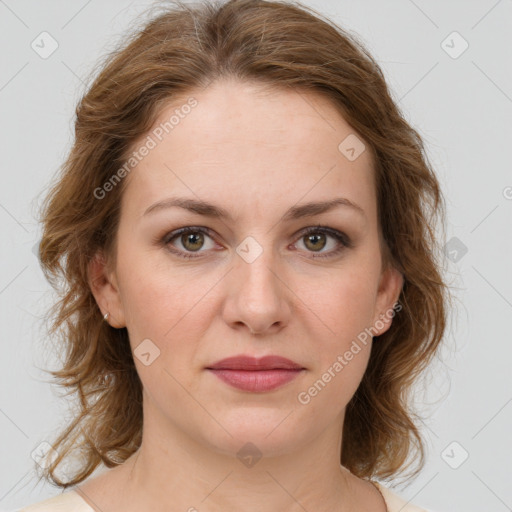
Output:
x=243 y=362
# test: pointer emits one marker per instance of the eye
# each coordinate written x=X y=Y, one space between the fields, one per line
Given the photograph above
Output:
x=191 y=240
x=316 y=238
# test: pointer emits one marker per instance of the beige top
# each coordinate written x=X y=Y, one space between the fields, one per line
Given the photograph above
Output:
x=71 y=501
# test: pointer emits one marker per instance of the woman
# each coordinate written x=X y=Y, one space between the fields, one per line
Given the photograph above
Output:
x=245 y=228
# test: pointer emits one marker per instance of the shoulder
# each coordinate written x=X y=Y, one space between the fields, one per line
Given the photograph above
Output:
x=395 y=502
x=69 y=501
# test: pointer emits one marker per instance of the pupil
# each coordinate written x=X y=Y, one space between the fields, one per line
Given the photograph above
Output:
x=310 y=238
x=193 y=239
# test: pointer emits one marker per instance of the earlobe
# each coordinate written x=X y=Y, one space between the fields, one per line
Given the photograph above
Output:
x=103 y=285
x=390 y=287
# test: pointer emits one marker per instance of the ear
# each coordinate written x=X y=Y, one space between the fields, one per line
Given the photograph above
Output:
x=103 y=284
x=390 y=285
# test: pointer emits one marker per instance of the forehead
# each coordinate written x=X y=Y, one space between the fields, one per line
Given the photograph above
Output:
x=258 y=146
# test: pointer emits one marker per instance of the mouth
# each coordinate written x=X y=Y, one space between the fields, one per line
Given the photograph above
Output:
x=256 y=375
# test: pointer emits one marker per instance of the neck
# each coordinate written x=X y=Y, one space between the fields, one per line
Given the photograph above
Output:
x=173 y=470
x=184 y=475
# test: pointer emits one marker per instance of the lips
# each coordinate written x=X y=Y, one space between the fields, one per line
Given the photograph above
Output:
x=252 y=363
x=256 y=374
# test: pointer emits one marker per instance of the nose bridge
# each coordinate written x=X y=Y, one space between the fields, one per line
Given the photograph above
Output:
x=256 y=267
x=257 y=297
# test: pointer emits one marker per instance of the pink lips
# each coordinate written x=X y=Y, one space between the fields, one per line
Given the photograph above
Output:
x=252 y=374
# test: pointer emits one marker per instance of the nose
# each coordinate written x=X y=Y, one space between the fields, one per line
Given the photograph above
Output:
x=258 y=298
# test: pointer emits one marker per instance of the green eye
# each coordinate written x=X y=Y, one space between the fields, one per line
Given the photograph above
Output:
x=192 y=239
x=316 y=239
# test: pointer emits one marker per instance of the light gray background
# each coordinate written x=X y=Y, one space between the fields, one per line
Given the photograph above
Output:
x=463 y=108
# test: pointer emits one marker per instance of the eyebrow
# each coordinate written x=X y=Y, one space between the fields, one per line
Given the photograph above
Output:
x=214 y=211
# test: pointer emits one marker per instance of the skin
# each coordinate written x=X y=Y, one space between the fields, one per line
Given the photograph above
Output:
x=255 y=152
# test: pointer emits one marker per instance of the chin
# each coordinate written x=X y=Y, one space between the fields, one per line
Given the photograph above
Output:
x=262 y=430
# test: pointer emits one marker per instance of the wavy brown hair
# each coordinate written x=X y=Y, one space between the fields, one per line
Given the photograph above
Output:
x=185 y=48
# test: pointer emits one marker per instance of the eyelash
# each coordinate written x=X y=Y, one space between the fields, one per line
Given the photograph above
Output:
x=342 y=238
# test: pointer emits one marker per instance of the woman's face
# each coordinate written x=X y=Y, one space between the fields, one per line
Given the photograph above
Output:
x=248 y=279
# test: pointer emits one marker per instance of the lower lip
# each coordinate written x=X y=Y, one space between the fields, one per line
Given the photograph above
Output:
x=256 y=380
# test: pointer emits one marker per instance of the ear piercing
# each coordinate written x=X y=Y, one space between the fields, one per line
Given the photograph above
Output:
x=105 y=317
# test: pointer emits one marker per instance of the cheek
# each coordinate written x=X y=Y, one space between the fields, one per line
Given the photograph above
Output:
x=341 y=356
x=346 y=302
x=165 y=304
x=168 y=312
x=345 y=307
